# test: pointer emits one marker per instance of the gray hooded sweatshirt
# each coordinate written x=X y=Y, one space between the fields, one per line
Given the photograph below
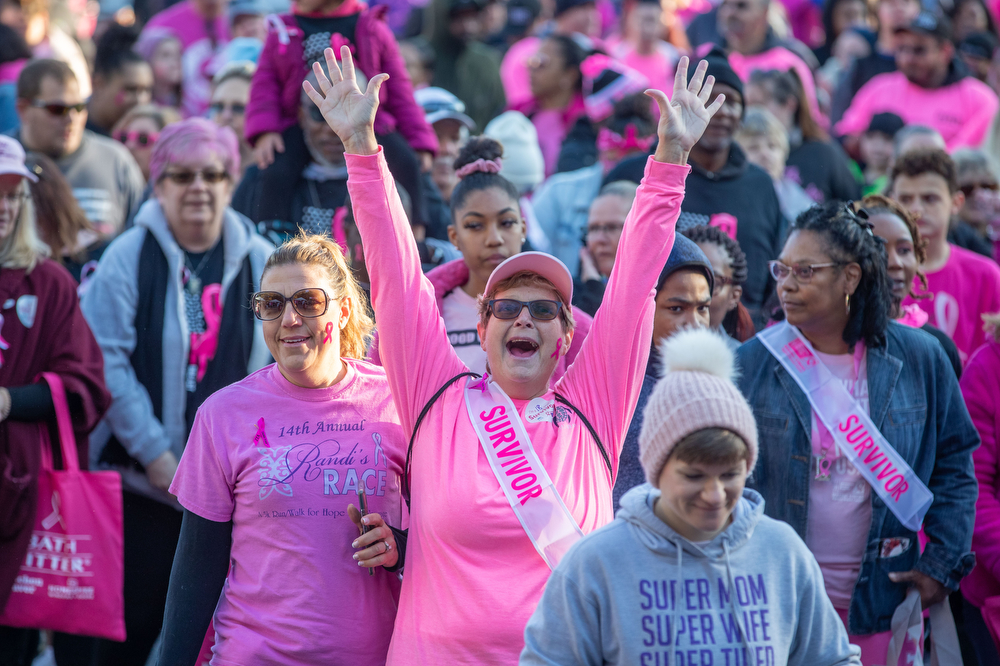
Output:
x=637 y=593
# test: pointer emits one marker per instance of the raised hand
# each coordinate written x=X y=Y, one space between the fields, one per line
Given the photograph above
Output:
x=349 y=112
x=683 y=118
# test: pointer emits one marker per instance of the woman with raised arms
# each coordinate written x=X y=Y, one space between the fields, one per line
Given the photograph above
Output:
x=505 y=475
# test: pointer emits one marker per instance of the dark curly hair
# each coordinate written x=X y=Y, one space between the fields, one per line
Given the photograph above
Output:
x=877 y=204
x=737 y=323
x=632 y=110
x=930 y=160
x=848 y=238
x=479 y=147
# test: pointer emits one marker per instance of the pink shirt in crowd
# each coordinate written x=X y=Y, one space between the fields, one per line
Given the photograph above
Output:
x=967 y=287
x=283 y=462
x=840 y=508
x=473 y=577
x=514 y=71
x=199 y=51
x=658 y=67
x=962 y=112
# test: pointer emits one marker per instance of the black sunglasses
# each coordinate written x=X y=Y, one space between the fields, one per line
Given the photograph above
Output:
x=508 y=308
x=219 y=107
x=187 y=177
x=310 y=303
x=59 y=109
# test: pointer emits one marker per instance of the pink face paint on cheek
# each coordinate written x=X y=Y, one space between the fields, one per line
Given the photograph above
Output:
x=328 y=338
x=558 y=347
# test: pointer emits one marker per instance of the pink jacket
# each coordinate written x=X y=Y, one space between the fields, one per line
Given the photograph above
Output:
x=466 y=546
x=275 y=95
x=962 y=111
x=453 y=275
x=981 y=389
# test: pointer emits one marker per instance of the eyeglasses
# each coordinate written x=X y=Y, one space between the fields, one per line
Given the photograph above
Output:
x=188 y=177
x=58 y=108
x=309 y=303
x=969 y=189
x=140 y=138
x=609 y=229
x=235 y=108
x=802 y=272
x=12 y=199
x=508 y=308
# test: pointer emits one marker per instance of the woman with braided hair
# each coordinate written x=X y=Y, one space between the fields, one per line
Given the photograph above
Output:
x=868 y=436
x=730 y=266
x=906 y=250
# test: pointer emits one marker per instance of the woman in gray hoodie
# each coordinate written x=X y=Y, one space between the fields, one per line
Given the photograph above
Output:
x=691 y=572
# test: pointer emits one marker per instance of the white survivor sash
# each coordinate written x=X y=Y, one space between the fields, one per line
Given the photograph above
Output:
x=531 y=493
x=856 y=436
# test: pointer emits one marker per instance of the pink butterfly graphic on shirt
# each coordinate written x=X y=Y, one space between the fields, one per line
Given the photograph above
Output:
x=274 y=471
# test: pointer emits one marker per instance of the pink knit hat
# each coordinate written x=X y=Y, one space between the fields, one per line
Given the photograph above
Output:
x=695 y=393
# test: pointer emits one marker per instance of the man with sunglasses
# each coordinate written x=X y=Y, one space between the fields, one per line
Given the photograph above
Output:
x=105 y=178
x=931 y=88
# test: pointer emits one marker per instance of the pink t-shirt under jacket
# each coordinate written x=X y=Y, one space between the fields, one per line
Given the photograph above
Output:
x=473 y=577
x=283 y=462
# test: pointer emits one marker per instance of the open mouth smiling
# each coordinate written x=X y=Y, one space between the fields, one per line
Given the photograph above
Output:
x=522 y=347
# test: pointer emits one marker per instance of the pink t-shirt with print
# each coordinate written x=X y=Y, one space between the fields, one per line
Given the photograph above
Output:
x=294 y=594
x=967 y=287
x=840 y=508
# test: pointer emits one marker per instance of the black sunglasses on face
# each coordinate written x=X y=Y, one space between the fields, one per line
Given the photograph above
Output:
x=58 y=108
x=309 y=303
x=188 y=177
x=508 y=308
x=236 y=109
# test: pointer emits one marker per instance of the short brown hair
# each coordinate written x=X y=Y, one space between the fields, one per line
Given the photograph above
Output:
x=29 y=83
x=711 y=446
x=918 y=162
x=525 y=279
x=322 y=251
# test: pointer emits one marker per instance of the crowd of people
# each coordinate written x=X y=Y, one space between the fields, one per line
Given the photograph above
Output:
x=713 y=284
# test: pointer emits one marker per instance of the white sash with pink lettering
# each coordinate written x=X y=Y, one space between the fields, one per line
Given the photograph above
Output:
x=531 y=493
x=856 y=436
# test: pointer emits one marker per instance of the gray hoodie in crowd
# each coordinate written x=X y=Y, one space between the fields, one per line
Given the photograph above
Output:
x=636 y=592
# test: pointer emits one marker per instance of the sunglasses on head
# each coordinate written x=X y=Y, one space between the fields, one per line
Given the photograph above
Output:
x=309 y=303
x=188 y=177
x=58 y=108
x=140 y=138
x=508 y=308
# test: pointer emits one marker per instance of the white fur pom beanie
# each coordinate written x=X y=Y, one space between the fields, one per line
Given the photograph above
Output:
x=696 y=392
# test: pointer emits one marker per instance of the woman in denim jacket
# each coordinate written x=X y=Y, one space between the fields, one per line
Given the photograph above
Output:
x=833 y=287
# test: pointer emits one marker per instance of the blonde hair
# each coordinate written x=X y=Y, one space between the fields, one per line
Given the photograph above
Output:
x=525 y=279
x=758 y=121
x=161 y=115
x=991 y=324
x=322 y=251
x=23 y=248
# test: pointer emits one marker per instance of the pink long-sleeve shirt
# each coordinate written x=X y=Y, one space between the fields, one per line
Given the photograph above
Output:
x=962 y=111
x=473 y=577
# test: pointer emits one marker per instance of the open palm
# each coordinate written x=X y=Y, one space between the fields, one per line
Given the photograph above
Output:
x=348 y=111
x=684 y=117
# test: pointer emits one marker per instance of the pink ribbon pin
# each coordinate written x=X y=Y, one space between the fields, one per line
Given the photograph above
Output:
x=558 y=347
x=482 y=384
x=203 y=345
x=261 y=435
x=328 y=338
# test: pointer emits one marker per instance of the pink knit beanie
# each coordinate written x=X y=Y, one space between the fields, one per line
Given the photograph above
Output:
x=695 y=393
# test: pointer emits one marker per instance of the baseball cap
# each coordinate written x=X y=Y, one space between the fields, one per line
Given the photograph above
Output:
x=439 y=104
x=12 y=159
x=886 y=123
x=563 y=6
x=928 y=23
x=541 y=263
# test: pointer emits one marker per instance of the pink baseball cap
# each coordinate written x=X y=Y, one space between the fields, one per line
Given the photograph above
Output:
x=12 y=159
x=541 y=263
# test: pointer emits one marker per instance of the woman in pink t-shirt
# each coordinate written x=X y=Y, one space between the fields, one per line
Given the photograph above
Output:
x=270 y=480
x=473 y=574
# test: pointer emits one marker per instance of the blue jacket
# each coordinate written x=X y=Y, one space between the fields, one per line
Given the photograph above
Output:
x=916 y=403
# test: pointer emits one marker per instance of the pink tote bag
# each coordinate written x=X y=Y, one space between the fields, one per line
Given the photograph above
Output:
x=72 y=577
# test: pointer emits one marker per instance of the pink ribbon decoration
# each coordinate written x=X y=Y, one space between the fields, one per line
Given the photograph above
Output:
x=55 y=517
x=4 y=345
x=608 y=140
x=483 y=383
x=486 y=166
x=328 y=338
x=558 y=347
x=261 y=435
x=203 y=345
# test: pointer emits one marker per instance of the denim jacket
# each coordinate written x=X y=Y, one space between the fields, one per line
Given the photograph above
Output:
x=916 y=403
